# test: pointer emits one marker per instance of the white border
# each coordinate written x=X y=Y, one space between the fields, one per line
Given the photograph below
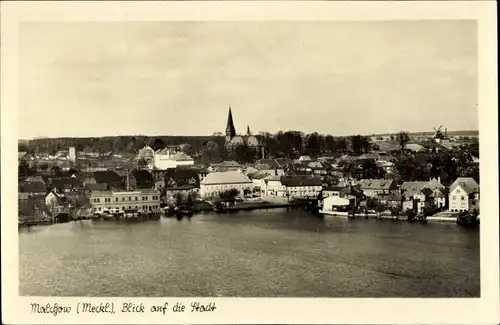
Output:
x=15 y=309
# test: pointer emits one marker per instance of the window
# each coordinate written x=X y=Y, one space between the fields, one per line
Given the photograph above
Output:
x=136 y=198
x=116 y=199
x=130 y=198
x=453 y=197
x=463 y=198
x=123 y=198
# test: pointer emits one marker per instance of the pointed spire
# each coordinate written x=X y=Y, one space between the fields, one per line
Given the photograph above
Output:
x=248 y=130
x=230 y=130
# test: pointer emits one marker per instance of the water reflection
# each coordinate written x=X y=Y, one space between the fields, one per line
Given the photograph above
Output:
x=261 y=253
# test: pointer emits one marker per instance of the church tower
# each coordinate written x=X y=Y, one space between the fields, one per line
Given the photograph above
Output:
x=230 y=130
x=248 y=130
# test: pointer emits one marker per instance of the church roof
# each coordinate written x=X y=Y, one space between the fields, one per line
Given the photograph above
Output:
x=230 y=129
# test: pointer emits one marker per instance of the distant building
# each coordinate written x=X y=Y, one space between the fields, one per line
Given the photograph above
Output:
x=146 y=154
x=216 y=183
x=226 y=166
x=233 y=140
x=168 y=158
x=273 y=186
x=144 y=200
x=72 y=154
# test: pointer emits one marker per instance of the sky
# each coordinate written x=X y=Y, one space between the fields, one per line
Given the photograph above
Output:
x=179 y=78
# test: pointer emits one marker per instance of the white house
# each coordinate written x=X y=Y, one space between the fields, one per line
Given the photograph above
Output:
x=259 y=182
x=464 y=195
x=216 y=183
x=333 y=203
x=274 y=187
x=144 y=200
x=167 y=158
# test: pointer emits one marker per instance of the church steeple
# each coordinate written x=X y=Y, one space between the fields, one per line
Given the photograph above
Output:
x=230 y=130
x=248 y=130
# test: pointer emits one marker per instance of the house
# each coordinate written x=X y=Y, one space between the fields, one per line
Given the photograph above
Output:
x=90 y=180
x=217 y=182
x=391 y=200
x=334 y=203
x=273 y=186
x=433 y=183
x=375 y=187
x=258 y=182
x=439 y=198
x=226 y=166
x=146 y=155
x=464 y=195
x=339 y=191
x=167 y=158
x=422 y=199
x=304 y=158
x=302 y=186
x=65 y=184
x=31 y=194
x=55 y=201
x=142 y=200
x=36 y=179
x=143 y=179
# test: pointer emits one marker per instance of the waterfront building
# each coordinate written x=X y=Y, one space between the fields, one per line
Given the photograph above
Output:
x=340 y=191
x=375 y=187
x=332 y=203
x=217 y=182
x=143 y=200
x=464 y=195
x=302 y=186
x=273 y=186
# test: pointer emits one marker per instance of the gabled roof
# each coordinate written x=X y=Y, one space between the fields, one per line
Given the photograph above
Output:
x=426 y=191
x=376 y=184
x=63 y=182
x=182 y=176
x=229 y=163
x=230 y=177
x=301 y=180
x=468 y=184
x=32 y=187
x=35 y=179
x=20 y=155
x=142 y=176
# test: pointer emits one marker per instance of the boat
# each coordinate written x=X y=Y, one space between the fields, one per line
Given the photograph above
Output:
x=468 y=220
x=182 y=211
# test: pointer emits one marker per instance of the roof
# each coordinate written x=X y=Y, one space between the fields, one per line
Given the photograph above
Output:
x=334 y=188
x=21 y=154
x=414 y=147
x=63 y=182
x=96 y=186
x=283 y=161
x=376 y=184
x=468 y=184
x=426 y=191
x=258 y=175
x=230 y=163
x=230 y=177
x=273 y=178
x=301 y=181
x=32 y=187
x=179 y=177
x=391 y=197
x=107 y=176
x=139 y=192
x=35 y=179
x=142 y=176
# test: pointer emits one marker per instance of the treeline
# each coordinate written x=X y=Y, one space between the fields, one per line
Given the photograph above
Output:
x=282 y=144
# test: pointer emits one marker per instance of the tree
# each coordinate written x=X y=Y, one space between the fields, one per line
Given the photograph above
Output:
x=244 y=154
x=356 y=143
x=330 y=144
x=56 y=171
x=403 y=138
x=158 y=144
x=142 y=163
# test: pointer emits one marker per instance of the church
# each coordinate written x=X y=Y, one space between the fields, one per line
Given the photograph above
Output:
x=233 y=140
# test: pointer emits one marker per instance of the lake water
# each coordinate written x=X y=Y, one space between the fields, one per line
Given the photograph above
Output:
x=273 y=253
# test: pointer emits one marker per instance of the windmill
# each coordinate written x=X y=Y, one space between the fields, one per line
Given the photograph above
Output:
x=438 y=135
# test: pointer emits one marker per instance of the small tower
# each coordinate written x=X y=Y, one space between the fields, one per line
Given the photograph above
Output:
x=230 y=130
x=248 y=130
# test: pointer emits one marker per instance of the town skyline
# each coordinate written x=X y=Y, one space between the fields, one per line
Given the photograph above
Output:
x=180 y=78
